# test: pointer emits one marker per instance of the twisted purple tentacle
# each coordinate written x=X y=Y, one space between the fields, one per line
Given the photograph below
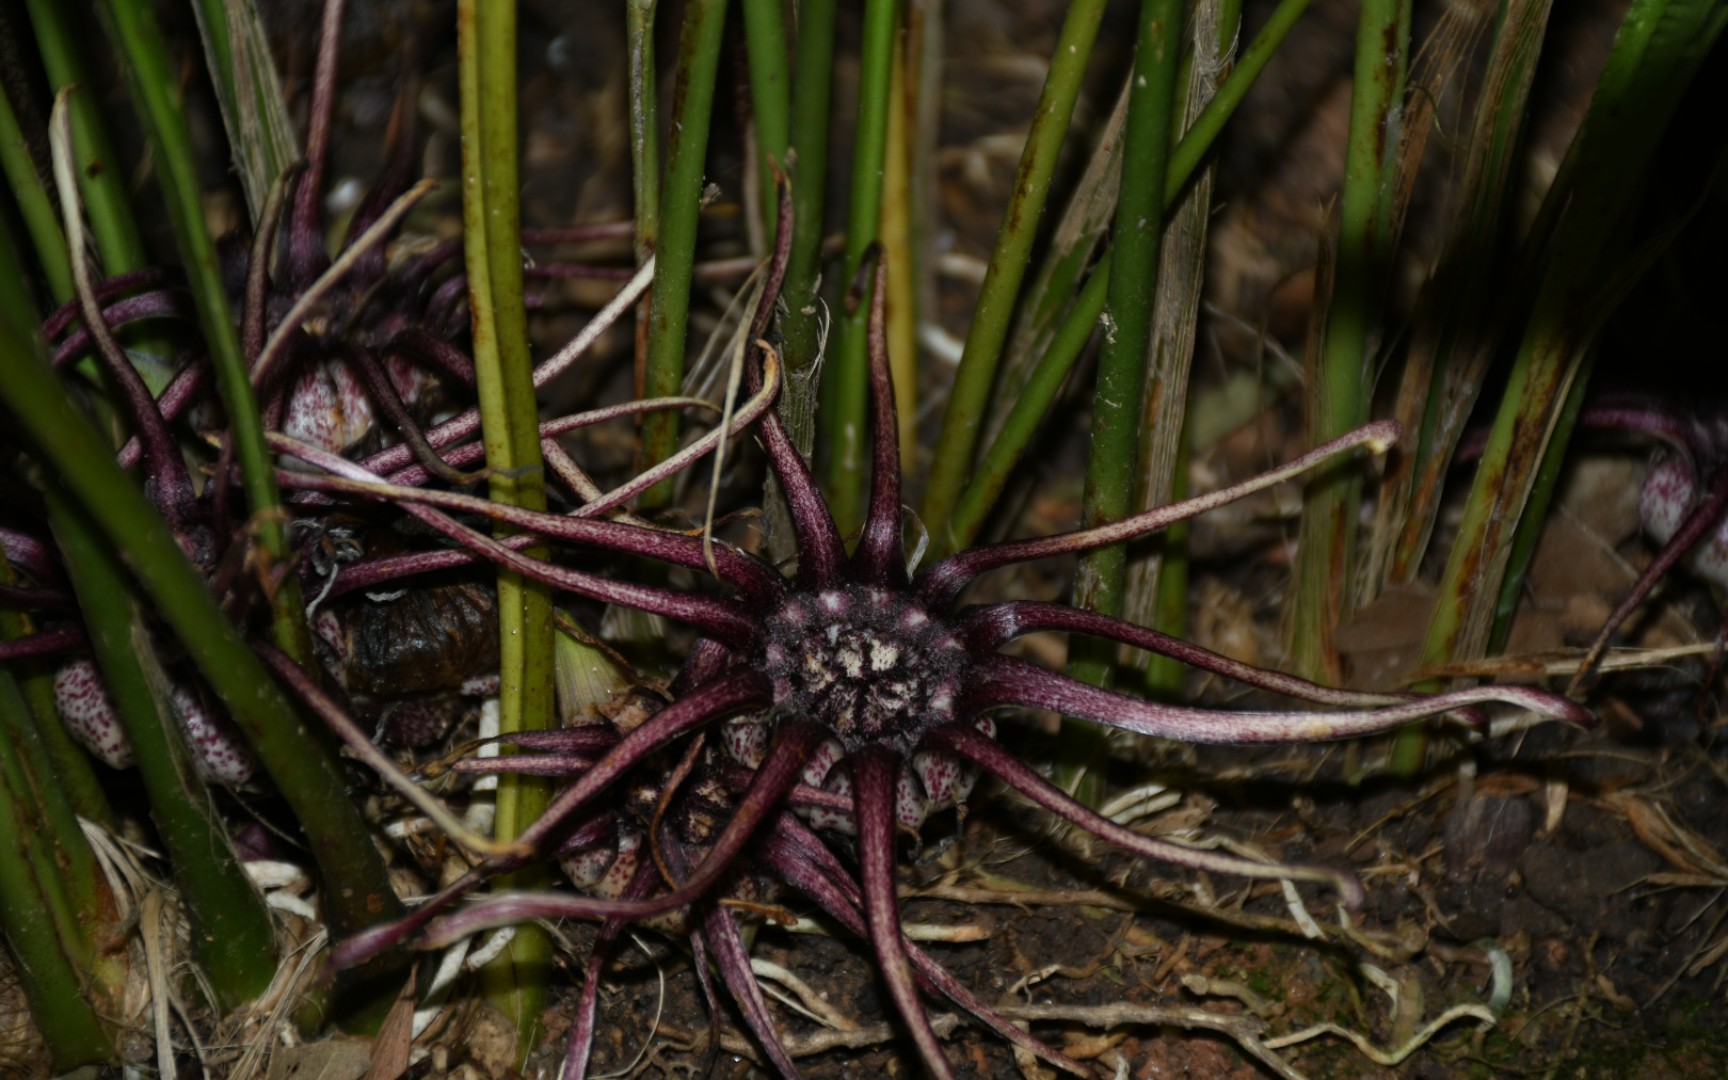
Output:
x=714 y=617
x=880 y=558
x=1005 y=680
x=963 y=740
x=798 y=855
x=778 y=772
x=988 y=628
x=875 y=771
x=939 y=586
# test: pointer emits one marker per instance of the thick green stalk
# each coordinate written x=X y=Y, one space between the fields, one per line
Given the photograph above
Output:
x=32 y=909
x=249 y=93
x=231 y=931
x=517 y=981
x=150 y=76
x=1657 y=52
x=1035 y=398
x=955 y=446
x=102 y=182
x=35 y=205
x=813 y=72
x=680 y=209
x=1121 y=382
x=845 y=384
x=1027 y=417
x=770 y=99
x=1339 y=387
x=63 y=871
x=356 y=890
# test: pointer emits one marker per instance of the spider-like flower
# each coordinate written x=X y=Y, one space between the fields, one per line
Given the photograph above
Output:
x=851 y=695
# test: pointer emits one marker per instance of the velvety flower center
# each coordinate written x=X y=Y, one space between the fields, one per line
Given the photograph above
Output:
x=869 y=664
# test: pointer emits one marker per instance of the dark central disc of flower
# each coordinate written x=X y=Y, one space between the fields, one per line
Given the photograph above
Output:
x=869 y=664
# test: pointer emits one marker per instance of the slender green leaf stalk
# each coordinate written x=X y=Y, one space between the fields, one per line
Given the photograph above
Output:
x=1339 y=379
x=845 y=381
x=1034 y=401
x=1457 y=318
x=231 y=931
x=1175 y=327
x=1656 y=54
x=63 y=759
x=35 y=205
x=813 y=70
x=102 y=183
x=770 y=100
x=356 y=890
x=150 y=75
x=900 y=248
x=1121 y=382
x=680 y=209
x=516 y=982
x=991 y=318
x=249 y=93
x=64 y=870
x=33 y=908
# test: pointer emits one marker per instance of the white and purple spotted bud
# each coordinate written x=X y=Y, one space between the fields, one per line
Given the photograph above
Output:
x=605 y=869
x=1668 y=495
x=220 y=755
x=88 y=713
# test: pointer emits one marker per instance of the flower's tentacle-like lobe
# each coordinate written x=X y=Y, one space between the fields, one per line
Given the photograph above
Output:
x=754 y=580
x=1005 y=680
x=992 y=758
x=726 y=946
x=940 y=585
x=1683 y=504
x=805 y=863
x=988 y=628
x=156 y=304
x=582 y=1024
x=715 y=617
x=875 y=771
x=881 y=556
x=768 y=788
x=821 y=554
x=727 y=695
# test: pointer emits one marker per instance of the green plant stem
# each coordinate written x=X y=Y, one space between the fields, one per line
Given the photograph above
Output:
x=1033 y=402
x=1121 y=381
x=35 y=205
x=844 y=388
x=231 y=930
x=356 y=891
x=680 y=210
x=517 y=981
x=32 y=907
x=770 y=79
x=1658 y=50
x=813 y=67
x=151 y=78
x=249 y=93
x=101 y=181
x=1340 y=394
x=951 y=465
